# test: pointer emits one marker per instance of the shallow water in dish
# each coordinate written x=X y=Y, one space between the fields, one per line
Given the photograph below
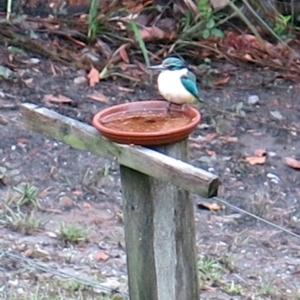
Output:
x=146 y=121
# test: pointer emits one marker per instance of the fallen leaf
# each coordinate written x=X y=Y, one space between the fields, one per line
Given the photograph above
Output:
x=211 y=153
x=151 y=33
x=123 y=53
x=195 y=146
x=260 y=152
x=98 y=97
x=206 y=287
x=211 y=136
x=101 y=255
x=77 y=193
x=86 y=205
x=292 y=162
x=255 y=160
x=66 y=201
x=209 y=206
x=222 y=81
x=229 y=139
x=218 y=3
x=3 y=121
x=59 y=99
x=93 y=76
x=22 y=140
x=28 y=252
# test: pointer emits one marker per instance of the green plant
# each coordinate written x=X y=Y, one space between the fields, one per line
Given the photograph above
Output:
x=268 y=289
x=25 y=223
x=281 y=24
x=206 y=14
x=209 y=270
x=72 y=233
x=233 y=288
x=29 y=195
x=140 y=41
x=93 y=24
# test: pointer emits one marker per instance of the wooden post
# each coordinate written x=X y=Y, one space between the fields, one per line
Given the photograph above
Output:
x=159 y=234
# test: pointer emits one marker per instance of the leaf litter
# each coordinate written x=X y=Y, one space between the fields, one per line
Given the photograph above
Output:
x=243 y=47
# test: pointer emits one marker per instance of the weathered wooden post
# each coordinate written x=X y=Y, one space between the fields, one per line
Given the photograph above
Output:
x=160 y=235
x=158 y=213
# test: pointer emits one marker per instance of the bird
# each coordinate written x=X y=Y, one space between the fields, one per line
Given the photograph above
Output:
x=176 y=83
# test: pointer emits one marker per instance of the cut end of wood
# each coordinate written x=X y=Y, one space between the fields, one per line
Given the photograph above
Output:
x=213 y=188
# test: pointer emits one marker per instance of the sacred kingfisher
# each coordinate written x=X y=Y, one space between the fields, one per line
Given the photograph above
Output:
x=176 y=83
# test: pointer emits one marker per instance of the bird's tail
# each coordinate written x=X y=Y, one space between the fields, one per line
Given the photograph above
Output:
x=200 y=99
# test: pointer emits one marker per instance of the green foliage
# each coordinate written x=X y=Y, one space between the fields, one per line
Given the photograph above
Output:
x=205 y=22
x=25 y=223
x=72 y=233
x=209 y=270
x=140 y=41
x=282 y=24
x=93 y=23
x=233 y=288
x=207 y=14
x=268 y=289
x=29 y=195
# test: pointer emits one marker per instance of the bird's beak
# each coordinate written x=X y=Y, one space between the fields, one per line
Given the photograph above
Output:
x=157 y=67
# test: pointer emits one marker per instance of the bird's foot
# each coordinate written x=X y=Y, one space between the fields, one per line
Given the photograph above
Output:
x=175 y=107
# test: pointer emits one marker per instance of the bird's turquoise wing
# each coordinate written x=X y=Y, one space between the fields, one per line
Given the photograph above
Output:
x=189 y=82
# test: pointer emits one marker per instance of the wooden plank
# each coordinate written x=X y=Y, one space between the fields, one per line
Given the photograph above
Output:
x=144 y=160
x=160 y=235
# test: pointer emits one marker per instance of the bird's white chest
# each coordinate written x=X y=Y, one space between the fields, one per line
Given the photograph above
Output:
x=171 y=88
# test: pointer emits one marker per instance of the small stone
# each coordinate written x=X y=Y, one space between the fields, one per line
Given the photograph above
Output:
x=253 y=99
x=80 y=80
x=13 y=147
x=273 y=177
x=51 y=234
x=272 y=153
x=66 y=202
x=294 y=219
x=276 y=114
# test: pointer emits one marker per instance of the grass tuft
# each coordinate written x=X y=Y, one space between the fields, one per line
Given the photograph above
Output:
x=72 y=234
x=210 y=270
x=93 y=25
x=29 y=195
x=26 y=223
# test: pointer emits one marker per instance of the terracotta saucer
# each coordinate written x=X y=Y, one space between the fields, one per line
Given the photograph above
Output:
x=146 y=123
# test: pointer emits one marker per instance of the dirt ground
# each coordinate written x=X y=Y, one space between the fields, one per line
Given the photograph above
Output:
x=239 y=257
